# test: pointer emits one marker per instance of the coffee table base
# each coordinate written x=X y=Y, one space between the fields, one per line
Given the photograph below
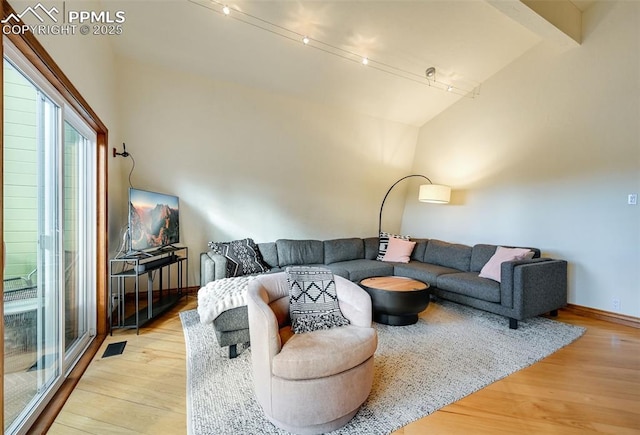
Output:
x=395 y=300
x=389 y=319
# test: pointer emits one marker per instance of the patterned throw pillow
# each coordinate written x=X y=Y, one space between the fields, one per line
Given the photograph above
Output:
x=384 y=242
x=243 y=257
x=313 y=300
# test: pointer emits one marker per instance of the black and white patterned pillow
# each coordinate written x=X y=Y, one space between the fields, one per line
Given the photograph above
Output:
x=313 y=300
x=243 y=257
x=384 y=243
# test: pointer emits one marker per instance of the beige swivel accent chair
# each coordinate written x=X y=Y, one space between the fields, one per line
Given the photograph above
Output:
x=313 y=382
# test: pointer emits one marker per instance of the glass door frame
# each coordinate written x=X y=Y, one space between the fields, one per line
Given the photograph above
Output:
x=41 y=61
x=86 y=272
x=52 y=115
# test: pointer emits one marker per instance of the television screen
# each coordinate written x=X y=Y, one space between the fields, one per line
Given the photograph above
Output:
x=153 y=219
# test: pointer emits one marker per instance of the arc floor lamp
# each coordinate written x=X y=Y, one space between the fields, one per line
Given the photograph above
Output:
x=434 y=193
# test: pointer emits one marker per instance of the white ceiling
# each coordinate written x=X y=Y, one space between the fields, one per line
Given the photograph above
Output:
x=467 y=41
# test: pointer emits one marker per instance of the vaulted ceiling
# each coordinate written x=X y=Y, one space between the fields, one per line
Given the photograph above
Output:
x=259 y=45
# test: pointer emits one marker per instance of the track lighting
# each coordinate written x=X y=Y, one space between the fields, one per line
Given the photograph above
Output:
x=462 y=87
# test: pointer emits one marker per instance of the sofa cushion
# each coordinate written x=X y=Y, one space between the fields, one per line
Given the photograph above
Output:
x=337 y=270
x=384 y=242
x=418 y=251
x=371 y=246
x=448 y=255
x=480 y=254
x=424 y=272
x=398 y=250
x=269 y=253
x=343 y=250
x=323 y=353
x=243 y=257
x=313 y=300
x=357 y=270
x=299 y=252
x=470 y=284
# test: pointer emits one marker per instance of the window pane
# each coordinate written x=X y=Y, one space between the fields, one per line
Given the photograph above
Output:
x=32 y=355
x=75 y=318
x=30 y=282
x=21 y=242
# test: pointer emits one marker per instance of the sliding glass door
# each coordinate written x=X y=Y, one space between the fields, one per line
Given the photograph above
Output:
x=49 y=234
x=28 y=271
x=78 y=236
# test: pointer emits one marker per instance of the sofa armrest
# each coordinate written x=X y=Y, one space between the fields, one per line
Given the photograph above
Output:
x=533 y=287
x=507 y=271
x=212 y=266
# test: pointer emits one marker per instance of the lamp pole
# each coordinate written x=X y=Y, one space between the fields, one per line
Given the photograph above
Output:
x=389 y=191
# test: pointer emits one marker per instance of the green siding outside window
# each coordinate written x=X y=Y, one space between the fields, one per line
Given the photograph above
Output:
x=20 y=174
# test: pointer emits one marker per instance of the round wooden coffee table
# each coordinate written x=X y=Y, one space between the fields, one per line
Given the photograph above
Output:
x=396 y=300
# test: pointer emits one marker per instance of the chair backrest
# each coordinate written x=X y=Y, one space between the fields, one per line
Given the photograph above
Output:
x=280 y=308
x=276 y=287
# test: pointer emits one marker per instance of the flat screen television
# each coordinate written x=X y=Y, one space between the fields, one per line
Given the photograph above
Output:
x=154 y=219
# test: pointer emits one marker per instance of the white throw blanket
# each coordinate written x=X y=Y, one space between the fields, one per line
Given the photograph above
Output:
x=221 y=295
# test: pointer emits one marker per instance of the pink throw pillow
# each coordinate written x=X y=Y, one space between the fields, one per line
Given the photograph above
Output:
x=492 y=269
x=398 y=250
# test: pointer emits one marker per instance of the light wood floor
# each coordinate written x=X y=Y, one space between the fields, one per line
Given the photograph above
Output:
x=591 y=386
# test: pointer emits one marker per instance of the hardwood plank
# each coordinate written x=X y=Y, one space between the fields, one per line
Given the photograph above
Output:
x=88 y=426
x=128 y=414
x=551 y=391
x=160 y=398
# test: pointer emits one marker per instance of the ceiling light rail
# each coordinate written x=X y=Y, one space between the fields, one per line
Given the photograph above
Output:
x=429 y=78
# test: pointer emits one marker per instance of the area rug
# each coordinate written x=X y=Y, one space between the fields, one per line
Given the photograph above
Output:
x=450 y=353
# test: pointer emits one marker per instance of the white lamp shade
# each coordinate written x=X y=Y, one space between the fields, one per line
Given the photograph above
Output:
x=435 y=193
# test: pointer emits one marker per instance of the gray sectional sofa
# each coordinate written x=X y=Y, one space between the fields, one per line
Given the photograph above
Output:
x=528 y=287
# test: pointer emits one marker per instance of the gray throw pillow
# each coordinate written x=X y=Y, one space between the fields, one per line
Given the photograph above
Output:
x=313 y=300
x=243 y=257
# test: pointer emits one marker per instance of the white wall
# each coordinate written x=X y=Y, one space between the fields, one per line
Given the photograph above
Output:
x=247 y=163
x=546 y=156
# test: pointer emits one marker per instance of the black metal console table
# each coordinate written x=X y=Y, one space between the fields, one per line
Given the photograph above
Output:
x=155 y=264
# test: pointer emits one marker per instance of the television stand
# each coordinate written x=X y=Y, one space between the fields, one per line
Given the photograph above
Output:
x=141 y=254
x=126 y=275
x=155 y=264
